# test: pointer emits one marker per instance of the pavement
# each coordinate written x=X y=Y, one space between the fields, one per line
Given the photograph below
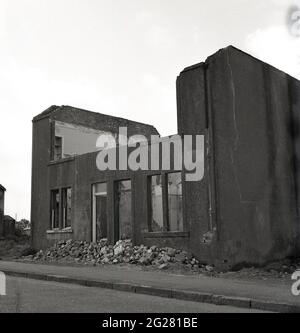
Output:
x=257 y=294
x=28 y=296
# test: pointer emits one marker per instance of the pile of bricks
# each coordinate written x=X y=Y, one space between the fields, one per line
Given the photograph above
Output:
x=123 y=252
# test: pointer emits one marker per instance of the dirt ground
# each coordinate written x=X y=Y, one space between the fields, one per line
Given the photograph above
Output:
x=14 y=247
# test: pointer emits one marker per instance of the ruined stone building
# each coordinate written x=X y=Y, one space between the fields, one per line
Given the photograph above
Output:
x=244 y=210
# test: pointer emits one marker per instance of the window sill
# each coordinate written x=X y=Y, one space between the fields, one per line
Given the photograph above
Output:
x=169 y=234
x=60 y=231
x=62 y=160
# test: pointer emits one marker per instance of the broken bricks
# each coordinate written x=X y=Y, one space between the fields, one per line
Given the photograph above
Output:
x=123 y=251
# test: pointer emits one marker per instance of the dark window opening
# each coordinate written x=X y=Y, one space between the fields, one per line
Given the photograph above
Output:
x=66 y=207
x=55 y=209
x=60 y=208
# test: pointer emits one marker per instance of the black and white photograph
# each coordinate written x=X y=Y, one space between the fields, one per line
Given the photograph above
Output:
x=149 y=160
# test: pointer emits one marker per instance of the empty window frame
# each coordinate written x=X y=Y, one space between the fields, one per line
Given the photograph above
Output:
x=175 y=214
x=66 y=207
x=60 y=208
x=71 y=140
x=165 y=203
x=58 y=148
x=155 y=192
x=55 y=200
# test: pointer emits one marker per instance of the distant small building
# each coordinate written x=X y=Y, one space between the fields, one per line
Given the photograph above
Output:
x=9 y=226
x=7 y=223
x=2 y=196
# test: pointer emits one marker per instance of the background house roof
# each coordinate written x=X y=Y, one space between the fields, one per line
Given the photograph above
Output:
x=2 y=188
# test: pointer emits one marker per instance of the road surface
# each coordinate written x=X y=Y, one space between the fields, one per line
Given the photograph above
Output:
x=26 y=295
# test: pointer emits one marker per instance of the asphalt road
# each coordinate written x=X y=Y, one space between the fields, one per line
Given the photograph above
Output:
x=26 y=295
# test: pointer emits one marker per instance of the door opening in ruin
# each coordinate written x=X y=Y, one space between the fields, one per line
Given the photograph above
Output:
x=99 y=224
x=123 y=210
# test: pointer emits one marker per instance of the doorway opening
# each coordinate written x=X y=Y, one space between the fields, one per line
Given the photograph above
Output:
x=99 y=225
x=123 y=208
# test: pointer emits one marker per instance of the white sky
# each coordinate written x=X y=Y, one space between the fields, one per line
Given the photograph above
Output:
x=119 y=57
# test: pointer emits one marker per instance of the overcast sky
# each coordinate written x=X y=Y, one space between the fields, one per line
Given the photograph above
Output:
x=119 y=57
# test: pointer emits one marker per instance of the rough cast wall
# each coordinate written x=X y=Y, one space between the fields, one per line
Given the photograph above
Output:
x=294 y=98
x=249 y=108
x=40 y=190
x=192 y=118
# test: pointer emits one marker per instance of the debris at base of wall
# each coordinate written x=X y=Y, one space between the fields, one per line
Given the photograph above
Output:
x=123 y=251
x=208 y=237
x=209 y=268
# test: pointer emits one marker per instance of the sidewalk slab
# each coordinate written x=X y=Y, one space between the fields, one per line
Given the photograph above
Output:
x=263 y=295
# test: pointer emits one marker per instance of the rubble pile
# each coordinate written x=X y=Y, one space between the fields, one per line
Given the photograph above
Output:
x=123 y=252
